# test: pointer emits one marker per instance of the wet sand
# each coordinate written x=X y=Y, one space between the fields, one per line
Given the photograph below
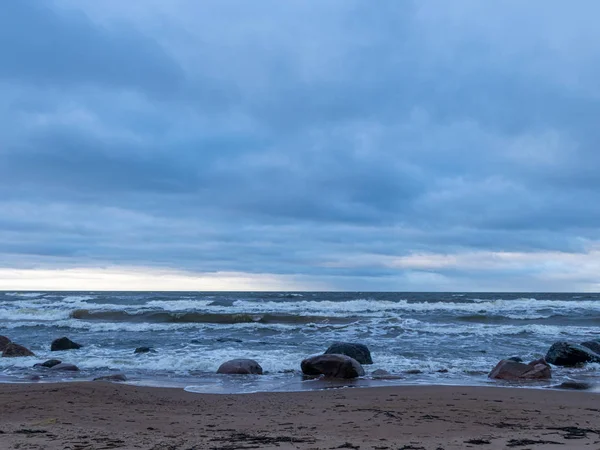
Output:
x=97 y=415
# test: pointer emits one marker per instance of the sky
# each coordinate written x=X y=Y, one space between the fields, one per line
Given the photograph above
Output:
x=300 y=145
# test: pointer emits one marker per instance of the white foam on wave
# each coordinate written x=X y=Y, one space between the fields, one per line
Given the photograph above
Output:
x=24 y=294
x=179 y=305
x=380 y=307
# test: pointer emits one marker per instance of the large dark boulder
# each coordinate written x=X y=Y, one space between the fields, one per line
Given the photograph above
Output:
x=569 y=355
x=331 y=365
x=13 y=350
x=64 y=343
x=592 y=345
x=359 y=352
x=48 y=364
x=4 y=341
x=514 y=370
x=64 y=367
x=240 y=367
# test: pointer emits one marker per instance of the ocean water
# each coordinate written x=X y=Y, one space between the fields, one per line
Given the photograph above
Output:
x=428 y=338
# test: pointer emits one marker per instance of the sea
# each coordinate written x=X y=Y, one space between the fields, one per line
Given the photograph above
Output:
x=423 y=338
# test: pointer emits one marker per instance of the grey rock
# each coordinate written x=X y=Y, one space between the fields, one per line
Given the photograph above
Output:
x=240 y=367
x=64 y=343
x=515 y=359
x=64 y=367
x=48 y=364
x=331 y=365
x=569 y=355
x=13 y=350
x=359 y=352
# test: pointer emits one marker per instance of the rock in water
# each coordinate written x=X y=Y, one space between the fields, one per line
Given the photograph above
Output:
x=65 y=367
x=381 y=374
x=331 y=365
x=116 y=377
x=240 y=367
x=4 y=341
x=48 y=364
x=568 y=354
x=13 y=350
x=513 y=370
x=359 y=352
x=64 y=343
x=575 y=385
x=144 y=350
x=592 y=345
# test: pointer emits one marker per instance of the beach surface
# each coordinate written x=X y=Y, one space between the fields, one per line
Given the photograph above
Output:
x=98 y=415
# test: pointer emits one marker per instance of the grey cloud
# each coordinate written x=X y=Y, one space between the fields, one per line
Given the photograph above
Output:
x=283 y=146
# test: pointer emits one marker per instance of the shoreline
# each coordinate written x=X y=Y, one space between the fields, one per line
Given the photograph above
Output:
x=84 y=415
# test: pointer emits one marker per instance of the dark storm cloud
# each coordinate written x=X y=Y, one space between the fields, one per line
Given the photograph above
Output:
x=329 y=141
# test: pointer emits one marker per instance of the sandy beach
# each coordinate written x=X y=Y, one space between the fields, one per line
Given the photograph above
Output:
x=97 y=415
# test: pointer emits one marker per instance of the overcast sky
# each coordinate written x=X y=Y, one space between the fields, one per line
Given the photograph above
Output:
x=337 y=144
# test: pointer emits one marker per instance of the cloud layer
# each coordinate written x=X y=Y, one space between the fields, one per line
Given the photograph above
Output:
x=327 y=145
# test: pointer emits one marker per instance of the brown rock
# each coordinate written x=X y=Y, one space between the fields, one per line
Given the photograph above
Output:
x=332 y=365
x=240 y=367
x=4 y=341
x=13 y=350
x=513 y=370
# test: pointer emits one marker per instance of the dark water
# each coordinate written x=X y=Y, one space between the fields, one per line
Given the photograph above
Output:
x=451 y=338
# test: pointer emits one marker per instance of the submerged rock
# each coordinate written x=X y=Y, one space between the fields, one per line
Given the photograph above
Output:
x=13 y=350
x=381 y=374
x=568 y=354
x=331 y=365
x=64 y=343
x=65 y=367
x=118 y=377
x=359 y=352
x=240 y=367
x=513 y=370
x=575 y=385
x=4 y=341
x=48 y=364
x=515 y=359
x=144 y=350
